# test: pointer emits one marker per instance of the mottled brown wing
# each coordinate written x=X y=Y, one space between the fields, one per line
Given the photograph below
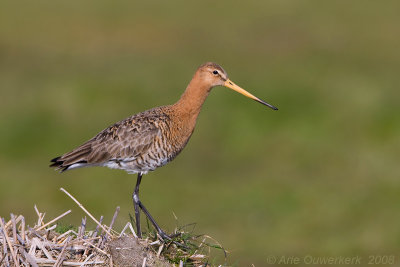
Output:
x=126 y=139
x=122 y=142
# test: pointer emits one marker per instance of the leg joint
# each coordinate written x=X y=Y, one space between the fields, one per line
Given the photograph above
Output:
x=136 y=198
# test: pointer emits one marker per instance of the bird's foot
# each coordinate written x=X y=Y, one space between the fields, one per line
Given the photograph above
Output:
x=170 y=238
x=166 y=237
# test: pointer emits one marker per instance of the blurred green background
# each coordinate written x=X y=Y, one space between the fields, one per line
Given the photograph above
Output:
x=320 y=176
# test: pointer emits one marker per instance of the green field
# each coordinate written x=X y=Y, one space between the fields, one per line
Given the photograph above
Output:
x=319 y=177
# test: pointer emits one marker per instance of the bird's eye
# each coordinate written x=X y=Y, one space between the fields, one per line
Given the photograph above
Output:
x=215 y=72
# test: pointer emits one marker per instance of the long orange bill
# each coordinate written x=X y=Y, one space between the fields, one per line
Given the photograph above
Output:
x=228 y=83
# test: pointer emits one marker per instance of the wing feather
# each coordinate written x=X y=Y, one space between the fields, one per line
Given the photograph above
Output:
x=129 y=138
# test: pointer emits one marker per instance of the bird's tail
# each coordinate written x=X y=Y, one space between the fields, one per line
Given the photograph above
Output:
x=74 y=159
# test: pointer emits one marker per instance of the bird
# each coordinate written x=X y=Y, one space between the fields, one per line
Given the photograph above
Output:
x=148 y=140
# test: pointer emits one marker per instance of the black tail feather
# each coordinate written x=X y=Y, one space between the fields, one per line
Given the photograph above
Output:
x=58 y=163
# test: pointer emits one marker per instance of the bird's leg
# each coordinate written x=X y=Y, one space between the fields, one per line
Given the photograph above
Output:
x=162 y=234
x=138 y=204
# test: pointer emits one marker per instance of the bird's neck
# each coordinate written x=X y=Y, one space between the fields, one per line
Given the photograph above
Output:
x=191 y=101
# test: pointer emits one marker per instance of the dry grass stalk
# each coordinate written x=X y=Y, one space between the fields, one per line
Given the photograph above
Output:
x=61 y=257
x=53 y=221
x=83 y=208
x=10 y=245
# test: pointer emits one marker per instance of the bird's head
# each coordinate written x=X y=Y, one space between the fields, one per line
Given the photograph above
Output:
x=214 y=75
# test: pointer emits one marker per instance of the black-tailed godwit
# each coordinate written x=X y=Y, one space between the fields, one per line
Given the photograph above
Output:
x=150 y=139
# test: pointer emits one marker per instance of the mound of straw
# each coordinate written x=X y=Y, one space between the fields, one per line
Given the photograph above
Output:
x=42 y=245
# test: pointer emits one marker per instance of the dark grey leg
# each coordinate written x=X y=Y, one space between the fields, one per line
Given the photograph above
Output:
x=139 y=205
x=136 y=202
